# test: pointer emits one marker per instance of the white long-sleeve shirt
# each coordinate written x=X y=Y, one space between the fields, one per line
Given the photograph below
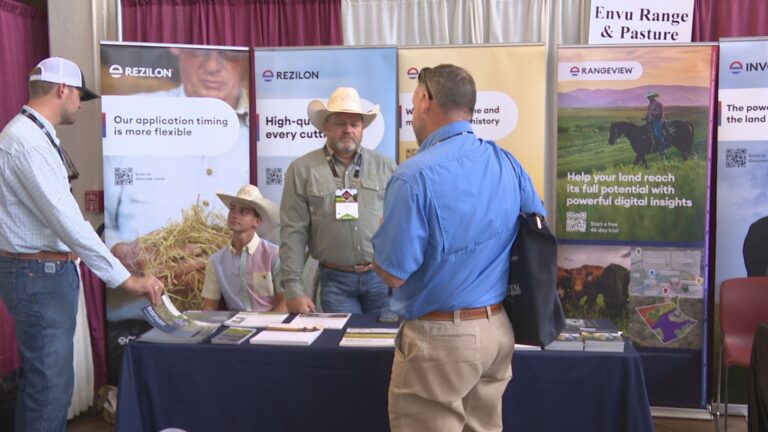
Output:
x=38 y=210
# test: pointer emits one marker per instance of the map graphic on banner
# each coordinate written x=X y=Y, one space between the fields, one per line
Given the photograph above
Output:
x=175 y=131
x=742 y=170
x=509 y=111
x=287 y=80
x=666 y=321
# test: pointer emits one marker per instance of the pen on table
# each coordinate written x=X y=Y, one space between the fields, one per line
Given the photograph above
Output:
x=294 y=329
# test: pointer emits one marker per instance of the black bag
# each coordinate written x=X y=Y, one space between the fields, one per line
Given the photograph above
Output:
x=532 y=302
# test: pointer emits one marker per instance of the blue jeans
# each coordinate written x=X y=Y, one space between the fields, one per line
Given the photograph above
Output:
x=42 y=298
x=353 y=292
x=656 y=127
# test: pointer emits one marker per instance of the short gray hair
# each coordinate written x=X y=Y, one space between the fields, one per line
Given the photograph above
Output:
x=452 y=88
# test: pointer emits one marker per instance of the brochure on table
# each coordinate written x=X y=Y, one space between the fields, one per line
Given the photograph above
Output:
x=255 y=319
x=369 y=337
x=334 y=321
x=166 y=318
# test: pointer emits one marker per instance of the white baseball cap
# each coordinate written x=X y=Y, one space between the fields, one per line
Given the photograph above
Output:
x=62 y=71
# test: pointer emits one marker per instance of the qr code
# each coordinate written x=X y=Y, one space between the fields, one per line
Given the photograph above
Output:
x=274 y=176
x=575 y=221
x=123 y=176
x=736 y=158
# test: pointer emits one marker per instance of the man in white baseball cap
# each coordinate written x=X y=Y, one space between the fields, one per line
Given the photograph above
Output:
x=332 y=203
x=42 y=233
x=62 y=71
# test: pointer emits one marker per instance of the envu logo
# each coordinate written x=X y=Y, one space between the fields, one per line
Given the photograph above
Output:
x=268 y=75
x=412 y=73
x=574 y=70
x=736 y=67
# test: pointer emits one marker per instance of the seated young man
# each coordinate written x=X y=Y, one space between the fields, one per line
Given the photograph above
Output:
x=246 y=272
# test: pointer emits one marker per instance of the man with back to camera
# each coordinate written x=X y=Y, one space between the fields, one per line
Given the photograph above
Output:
x=41 y=230
x=331 y=205
x=450 y=217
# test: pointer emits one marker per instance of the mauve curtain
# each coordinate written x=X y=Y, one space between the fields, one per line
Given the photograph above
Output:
x=715 y=19
x=251 y=23
x=23 y=43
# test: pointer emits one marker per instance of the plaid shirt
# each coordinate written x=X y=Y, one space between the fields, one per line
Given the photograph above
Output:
x=39 y=212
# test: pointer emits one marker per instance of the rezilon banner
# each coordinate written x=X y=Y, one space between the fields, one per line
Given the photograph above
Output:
x=511 y=94
x=632 y=182
x=175 y=131
x=742 y=160
x=287 y=80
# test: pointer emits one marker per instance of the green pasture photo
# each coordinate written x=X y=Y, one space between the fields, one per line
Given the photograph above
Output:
x=667 y=204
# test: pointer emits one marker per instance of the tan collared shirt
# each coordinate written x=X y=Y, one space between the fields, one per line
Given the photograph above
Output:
x=308 y=214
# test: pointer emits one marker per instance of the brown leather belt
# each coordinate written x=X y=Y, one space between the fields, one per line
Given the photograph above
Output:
x=42 y=255
x=360 y=268
x=464 y=314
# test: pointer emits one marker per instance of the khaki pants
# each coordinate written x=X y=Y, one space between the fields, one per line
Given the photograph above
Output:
x=450 y=375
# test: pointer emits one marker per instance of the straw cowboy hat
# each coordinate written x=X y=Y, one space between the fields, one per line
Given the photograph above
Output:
x=651 y=94
x=250 y=196
x=342 y=100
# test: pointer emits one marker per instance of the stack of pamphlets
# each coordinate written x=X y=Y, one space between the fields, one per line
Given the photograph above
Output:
x=233 y=336
x=522 y=347
x=369 y=337
x=596 y=340
x=566 y=341
x=256 y=319
x=335 y=321
x=171 y=326
x=570 y=338
x=287 y=334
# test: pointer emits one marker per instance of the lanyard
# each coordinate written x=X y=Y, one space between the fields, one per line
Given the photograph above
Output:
x=455 y=135
x=72 y=173
x=329 y=159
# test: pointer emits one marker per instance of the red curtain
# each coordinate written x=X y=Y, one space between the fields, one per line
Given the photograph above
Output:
x=715 y=19
x=250 y=23
x=23 y=43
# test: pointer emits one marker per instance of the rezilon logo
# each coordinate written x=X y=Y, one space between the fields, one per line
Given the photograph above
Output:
x=412 y=73
x=736 y=67
x=117 y=71
x=268 y=75
x=574 y=70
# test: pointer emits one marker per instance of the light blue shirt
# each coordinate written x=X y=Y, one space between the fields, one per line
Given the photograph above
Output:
x=450 y=217
x=39 y=212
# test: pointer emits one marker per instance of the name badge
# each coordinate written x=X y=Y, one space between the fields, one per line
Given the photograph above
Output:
x=346 y=204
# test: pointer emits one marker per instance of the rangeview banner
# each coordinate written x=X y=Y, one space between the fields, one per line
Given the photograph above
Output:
x=287 y=80
x=742 y=160
x=632 y=201
x=510 y=83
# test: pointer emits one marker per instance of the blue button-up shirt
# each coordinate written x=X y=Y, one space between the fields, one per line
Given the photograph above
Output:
x=450 y=217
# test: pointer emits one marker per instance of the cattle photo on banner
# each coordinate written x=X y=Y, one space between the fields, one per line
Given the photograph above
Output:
x=175 y=131
x=287 y=80
x=633 y=144
x=509 y=111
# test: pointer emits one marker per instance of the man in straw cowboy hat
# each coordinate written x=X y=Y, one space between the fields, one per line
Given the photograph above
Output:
x=250 y=217
x=654 y=115
x=331 y=205
x=41 y=230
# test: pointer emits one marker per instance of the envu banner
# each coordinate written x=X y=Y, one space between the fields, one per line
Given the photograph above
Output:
x=742 y=160
x=509 y=111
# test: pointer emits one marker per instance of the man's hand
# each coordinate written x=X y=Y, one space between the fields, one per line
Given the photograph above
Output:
x=300 y=304
x=144 y=285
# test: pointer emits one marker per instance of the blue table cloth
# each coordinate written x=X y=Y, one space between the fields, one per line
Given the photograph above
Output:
x=325 y=387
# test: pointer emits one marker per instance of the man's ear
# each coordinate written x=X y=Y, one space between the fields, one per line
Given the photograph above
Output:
x=61 y=90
